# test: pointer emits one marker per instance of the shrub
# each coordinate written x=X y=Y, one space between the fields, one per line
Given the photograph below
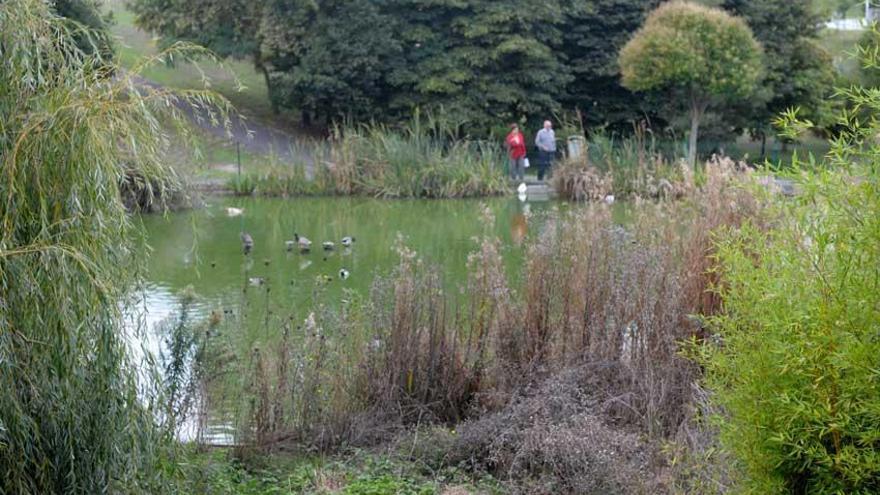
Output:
x=557 y=436
x=795 y=370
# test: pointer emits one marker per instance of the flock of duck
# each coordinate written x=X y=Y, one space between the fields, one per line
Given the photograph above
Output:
x=300 y=243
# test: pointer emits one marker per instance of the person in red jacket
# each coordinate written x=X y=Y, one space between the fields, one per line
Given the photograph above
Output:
x=516 y=149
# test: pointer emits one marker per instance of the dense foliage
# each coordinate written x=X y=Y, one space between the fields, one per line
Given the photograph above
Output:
x=484 y=63
x=797 y=376
x=74 y=415
x=798 y=72
x=90 y=25
x=702 y=54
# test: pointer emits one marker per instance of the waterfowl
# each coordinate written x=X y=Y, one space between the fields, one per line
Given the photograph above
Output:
x=347 y=241
x=304 y=244
x=328 y=246
x=256 y=281
x=234 y=212
x=343 y=273
x=289 y=245
x=523 y=188
x=247 y=243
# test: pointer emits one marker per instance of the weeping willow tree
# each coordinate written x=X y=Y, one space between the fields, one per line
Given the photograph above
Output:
x=76 y=411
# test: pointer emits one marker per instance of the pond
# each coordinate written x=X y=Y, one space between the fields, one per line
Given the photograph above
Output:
x=202 y=249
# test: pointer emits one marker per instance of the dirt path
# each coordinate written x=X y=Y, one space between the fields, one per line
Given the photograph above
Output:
x=254 y=136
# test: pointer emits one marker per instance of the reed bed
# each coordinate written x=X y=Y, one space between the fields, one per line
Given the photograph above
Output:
x=626 y=168
x=593 y=295
x=423 y=159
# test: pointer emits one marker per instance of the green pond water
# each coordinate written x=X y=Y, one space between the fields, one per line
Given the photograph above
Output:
x=253 y=295
x=202 y=248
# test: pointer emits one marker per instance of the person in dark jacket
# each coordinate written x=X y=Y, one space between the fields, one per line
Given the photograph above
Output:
x=546 y=143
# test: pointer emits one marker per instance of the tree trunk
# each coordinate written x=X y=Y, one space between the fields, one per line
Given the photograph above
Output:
x=698 y=107
x=269 y=92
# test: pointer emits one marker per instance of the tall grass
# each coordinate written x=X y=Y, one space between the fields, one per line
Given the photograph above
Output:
x=593 y=293
x=423 y=159
x=625 y=167
x=74 y=413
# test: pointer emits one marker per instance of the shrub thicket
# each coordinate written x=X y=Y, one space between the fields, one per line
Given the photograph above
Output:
x=795 y=370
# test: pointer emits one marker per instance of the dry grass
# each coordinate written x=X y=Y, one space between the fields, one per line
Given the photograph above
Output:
x=585 y=352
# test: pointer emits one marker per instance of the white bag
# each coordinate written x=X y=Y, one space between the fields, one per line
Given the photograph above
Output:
x=526 y=162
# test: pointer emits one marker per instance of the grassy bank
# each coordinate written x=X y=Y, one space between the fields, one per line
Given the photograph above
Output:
x=358 y=472
x=423 y=159
x=236 y=80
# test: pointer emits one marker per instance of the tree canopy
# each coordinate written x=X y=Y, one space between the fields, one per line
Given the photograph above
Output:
x=702 y=54
x=798 y=72
x=480 y=62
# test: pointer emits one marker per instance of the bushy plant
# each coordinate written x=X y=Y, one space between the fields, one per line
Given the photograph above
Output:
x=75 y=411
x=794 y=370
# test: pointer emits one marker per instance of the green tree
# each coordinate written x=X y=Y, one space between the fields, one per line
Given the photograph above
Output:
x=226 y=27
x=331 y=60
x=92 y=31
x=75 y=410
x=799 y=73
x=703 y=55
x=593 y=34
x=483 y=62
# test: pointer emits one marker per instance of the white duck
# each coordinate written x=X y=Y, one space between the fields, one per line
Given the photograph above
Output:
x=347 y=241
x=234 y=212
x=344 y=274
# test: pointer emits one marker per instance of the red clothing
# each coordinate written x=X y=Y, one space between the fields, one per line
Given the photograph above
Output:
x=516 y=144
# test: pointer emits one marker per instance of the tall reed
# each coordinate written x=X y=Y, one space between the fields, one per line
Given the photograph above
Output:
x=75 y=412
x=626 y=167
x=423 y=159
x=592 y=293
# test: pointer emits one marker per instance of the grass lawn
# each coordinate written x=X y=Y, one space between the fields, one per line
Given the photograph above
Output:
x=252 y=101
x=237 y=80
